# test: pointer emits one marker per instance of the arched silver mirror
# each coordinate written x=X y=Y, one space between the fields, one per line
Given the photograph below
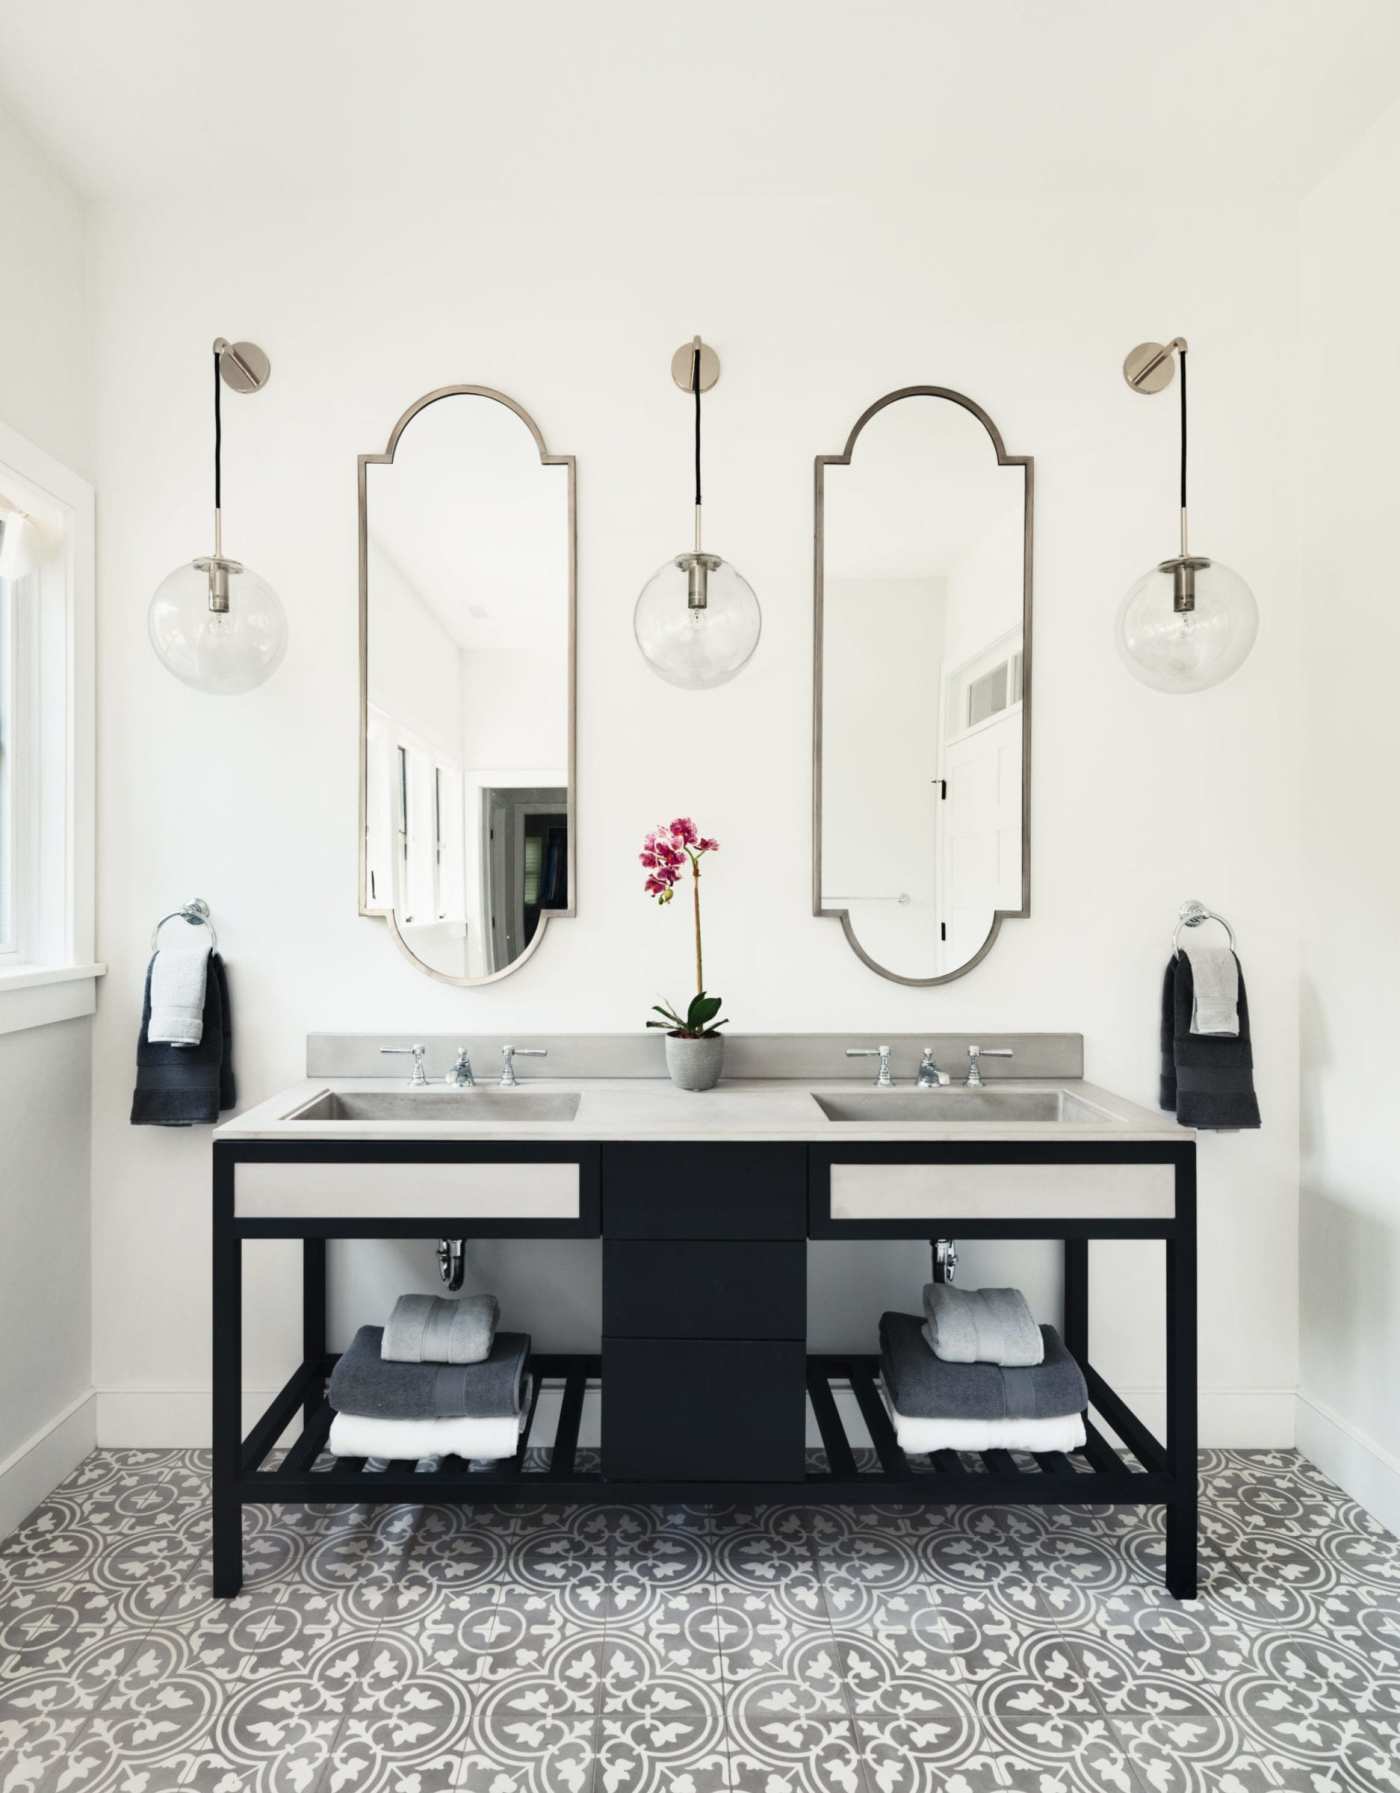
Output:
x=921 y=709
x=467 y=681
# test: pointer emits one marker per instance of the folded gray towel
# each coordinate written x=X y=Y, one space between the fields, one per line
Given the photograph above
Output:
x=436 y=1329
x=362 y=1383
x=1215 y=990
x=922 y=1387
x=981 y=1326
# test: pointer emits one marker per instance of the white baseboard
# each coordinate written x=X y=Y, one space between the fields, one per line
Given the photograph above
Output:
x=1364 y=1469
x=152 y=1418
x=32 y=1471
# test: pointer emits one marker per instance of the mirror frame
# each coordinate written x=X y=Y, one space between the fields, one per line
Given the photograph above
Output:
x=822 y=462
x=365 y=462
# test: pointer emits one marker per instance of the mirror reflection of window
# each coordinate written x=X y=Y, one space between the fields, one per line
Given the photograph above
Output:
x=468 y=614
x=922 y=614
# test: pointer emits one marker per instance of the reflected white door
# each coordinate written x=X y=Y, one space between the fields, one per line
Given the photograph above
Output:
x=981 y=833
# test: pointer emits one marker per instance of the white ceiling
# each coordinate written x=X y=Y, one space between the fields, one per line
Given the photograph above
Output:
x=1207 y=98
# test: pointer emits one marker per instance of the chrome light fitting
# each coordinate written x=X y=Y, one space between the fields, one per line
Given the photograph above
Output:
x=697 y=620
x=1190 y=622
x=214 y=623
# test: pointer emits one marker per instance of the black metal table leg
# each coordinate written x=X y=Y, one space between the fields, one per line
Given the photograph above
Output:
x=227 y=1387
x=1077 y=1298
x=1182 y=1507
x=313 y=1314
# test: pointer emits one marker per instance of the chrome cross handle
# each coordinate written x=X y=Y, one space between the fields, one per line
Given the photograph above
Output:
x=509 y=1054
x=883 y=1080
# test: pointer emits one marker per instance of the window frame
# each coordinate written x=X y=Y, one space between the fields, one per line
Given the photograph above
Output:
x=50 y=972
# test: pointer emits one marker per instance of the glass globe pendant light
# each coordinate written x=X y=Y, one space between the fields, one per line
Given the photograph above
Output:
x=697 y=620
x=1189 y=622
x=213 y=622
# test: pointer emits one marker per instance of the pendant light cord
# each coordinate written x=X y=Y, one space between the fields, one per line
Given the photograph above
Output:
x=1181 y=356
x=218 y=455
x=695 y=382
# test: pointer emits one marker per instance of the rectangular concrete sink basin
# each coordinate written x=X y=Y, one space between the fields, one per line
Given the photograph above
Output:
x=937 y=1106
x=441 y=1107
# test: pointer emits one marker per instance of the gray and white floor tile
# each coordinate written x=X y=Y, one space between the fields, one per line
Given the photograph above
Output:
x=761 y=1649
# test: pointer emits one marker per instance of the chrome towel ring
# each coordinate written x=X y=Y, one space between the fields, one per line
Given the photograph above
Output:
x=196 y=913
x=1191 y=915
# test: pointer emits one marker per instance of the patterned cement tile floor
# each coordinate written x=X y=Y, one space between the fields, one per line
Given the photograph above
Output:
x=626 y=1649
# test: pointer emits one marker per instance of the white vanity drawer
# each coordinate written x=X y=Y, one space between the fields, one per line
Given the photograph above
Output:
x=934 y=1192
x=313 y=1190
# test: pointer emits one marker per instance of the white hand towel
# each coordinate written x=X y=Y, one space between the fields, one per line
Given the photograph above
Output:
x=178 y=978
x=1215 y=983
x=1065 y=1433
x=485 y=1440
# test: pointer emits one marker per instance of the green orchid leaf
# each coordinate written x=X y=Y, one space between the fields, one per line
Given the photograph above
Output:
x=703 y=1010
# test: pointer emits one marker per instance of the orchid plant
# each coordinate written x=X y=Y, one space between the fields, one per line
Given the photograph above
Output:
x=666 y=852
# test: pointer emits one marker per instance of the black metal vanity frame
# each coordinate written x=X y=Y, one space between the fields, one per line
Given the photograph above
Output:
x=729 y=1200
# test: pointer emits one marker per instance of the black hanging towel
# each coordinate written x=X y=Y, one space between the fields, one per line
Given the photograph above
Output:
x=186 y=1086
x=1208 y=1079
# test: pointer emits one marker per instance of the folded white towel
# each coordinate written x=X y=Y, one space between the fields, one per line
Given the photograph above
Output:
x=178 y=979
x=485 y=1440
x=1065 y=1433
x=1215 y=985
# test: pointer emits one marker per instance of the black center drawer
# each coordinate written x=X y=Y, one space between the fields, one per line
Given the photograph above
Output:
x=705 y=1191
x=704 y=1288
x=704 y=1411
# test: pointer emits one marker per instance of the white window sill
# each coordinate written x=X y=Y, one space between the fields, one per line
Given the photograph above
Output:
x=36 y=995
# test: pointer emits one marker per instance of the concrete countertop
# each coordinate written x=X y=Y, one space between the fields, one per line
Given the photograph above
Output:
x=641 y=1108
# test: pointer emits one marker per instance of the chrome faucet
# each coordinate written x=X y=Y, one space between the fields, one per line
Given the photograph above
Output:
x=419 y=1079
x=460 y=1076
x=883 y=1080
x=975 y=1079
x=930 y=1077
x=509 y=1054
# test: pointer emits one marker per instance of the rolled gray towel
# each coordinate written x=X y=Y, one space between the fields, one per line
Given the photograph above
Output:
x=434 y=1329
x=923 y=1387
x=363 y=1383
x=981 y=1326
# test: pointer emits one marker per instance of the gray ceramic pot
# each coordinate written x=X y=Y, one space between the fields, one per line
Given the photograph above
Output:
x=695 y=1064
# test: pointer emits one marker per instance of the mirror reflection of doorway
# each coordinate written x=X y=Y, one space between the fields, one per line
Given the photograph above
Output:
x=525 y=870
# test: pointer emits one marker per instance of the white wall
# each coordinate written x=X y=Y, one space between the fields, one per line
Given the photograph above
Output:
x=45 y=1126
x=1349 y=1415
x=816 y=307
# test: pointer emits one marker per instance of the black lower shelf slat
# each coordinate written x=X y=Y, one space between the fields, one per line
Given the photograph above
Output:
x=1148 y=1450
x=309 y=1446
x=840 y=1461
x=1101 y=1453
x=1102 y=1476
x=517 y=1463
x=877 y=1422
x=561 y=1458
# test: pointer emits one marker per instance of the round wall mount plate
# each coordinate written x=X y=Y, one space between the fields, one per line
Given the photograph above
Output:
x=683 y=366
x=1149 y=367
x=244 y=366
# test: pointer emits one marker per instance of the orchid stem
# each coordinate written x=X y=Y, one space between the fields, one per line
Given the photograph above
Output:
x=699 y=959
